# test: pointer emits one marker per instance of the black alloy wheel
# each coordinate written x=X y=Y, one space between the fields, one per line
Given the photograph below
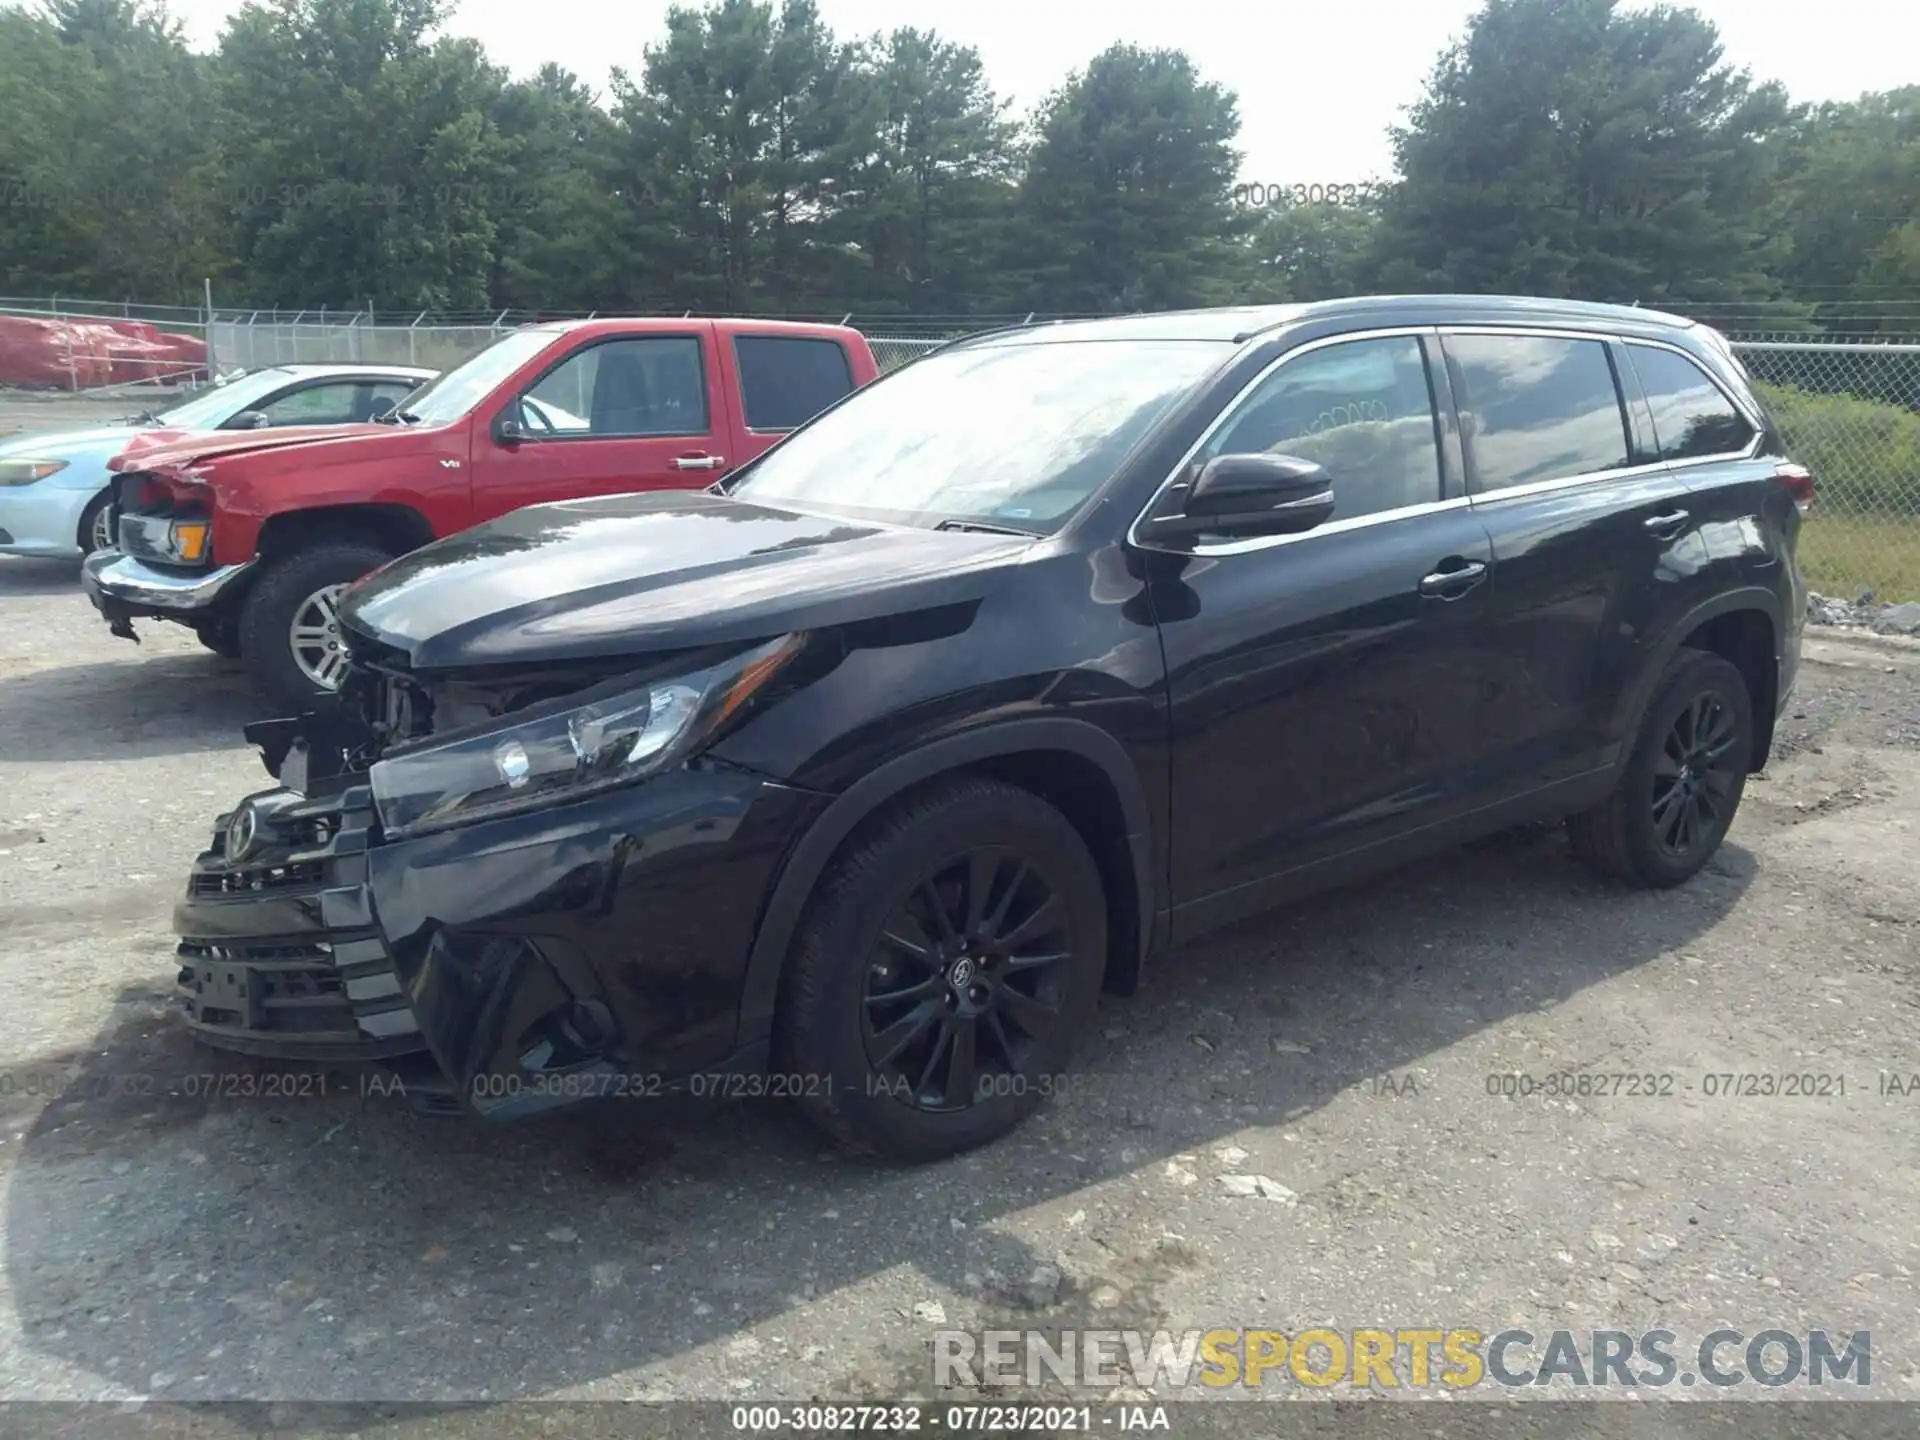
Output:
x=1671 y=806
x=964 y=985
x=1695 y=783
x=948 y=959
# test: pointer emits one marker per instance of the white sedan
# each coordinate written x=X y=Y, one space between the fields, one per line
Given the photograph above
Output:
x=54 y=483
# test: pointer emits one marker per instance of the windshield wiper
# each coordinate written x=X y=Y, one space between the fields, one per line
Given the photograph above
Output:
x=984 y=527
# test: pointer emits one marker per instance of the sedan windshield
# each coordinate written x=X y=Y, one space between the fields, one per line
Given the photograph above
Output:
x=213 y=408
x=456 y=392
x=1015 y=435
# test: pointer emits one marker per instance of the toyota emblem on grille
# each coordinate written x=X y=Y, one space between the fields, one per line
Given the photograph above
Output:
x=242 y=830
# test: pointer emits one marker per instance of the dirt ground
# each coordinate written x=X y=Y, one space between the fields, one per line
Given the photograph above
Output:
x=24 y=411
x=158 y=1241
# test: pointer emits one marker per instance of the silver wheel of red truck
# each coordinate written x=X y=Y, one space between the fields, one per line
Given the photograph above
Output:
x=290 y=625
x=315 y=638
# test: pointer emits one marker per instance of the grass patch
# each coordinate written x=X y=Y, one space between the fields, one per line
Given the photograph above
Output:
x=1841 y=555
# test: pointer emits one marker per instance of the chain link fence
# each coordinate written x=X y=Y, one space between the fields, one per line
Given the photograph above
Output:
x=252 y=342
x=1850 y=407
x=1850 y=412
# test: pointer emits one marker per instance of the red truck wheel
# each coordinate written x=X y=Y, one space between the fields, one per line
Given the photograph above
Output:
x=289 y=631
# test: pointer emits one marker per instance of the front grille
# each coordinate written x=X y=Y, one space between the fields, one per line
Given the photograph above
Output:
x=264 y=877
x=278 y=953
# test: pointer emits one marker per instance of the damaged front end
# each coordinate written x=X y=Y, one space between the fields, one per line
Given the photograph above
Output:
x=459 y=864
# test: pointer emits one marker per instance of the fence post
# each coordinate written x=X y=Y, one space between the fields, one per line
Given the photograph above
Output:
x=206 y=294
x=413 y=357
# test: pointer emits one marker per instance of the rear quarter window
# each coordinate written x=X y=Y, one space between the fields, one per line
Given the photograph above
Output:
x=787 y=380
x=1692 y=416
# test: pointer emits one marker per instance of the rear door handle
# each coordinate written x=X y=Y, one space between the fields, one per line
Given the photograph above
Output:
x=699 y=462
x=1452 y=584
x=1668 y=525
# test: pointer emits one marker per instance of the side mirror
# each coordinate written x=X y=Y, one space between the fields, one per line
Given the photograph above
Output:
x=1251 y=495
x=251 y=420
x=509 y=431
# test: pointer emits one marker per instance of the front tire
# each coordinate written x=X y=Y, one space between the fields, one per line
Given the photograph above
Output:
x=95 y=531
x=289 y=631
x=1673 y=803
x=946 y=964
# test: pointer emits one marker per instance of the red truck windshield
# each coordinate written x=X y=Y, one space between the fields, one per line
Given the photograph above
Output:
x=461 y=388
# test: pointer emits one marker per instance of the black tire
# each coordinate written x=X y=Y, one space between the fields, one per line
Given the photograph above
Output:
x=221 y=637
x=1670 y=788
x=282 y=591
x=926 y=849
x=89 y=519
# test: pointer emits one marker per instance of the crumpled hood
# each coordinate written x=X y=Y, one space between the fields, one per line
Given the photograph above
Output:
x=176 y=447
x=630 y=574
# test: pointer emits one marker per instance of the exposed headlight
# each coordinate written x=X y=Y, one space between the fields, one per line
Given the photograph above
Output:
x=569 y=750
x=25 y=472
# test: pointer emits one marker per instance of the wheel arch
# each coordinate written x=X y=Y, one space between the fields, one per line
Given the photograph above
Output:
x=395 y=526
x=1742 y=626
x=1075 y=766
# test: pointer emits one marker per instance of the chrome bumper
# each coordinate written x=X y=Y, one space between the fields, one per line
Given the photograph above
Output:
x=108 y=575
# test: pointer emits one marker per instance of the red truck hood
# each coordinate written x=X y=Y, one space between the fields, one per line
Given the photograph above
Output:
x=176 y=447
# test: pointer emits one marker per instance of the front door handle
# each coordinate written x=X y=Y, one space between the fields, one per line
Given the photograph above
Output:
x=1668 y=525
x=699 y=462
x=1452 y=584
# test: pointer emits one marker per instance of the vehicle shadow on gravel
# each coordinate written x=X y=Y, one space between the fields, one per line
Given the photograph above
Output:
x=148 y=704
x=24 y=575
x=170 y=1232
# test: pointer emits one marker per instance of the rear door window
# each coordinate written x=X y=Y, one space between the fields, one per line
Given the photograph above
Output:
x=1535 y=408
x=1692 y=416
x=786 y=380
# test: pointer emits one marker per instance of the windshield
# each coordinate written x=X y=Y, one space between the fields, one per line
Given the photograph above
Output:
x=211 y=409
x=1017 y=435
x=456 y=392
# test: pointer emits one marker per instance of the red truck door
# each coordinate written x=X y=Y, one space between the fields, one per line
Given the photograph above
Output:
x=784 y=375
x=641 y=409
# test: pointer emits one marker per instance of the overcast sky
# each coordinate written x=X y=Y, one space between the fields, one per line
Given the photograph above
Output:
x=1319 y=81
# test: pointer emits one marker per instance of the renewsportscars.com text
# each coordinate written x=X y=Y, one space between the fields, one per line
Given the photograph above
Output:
x=1409 y=1357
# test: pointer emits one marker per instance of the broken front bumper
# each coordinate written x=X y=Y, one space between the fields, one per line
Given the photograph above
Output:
x=122 y=587
x=597 y=948
x=279 y=954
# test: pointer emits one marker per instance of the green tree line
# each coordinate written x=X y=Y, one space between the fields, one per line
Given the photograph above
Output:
x=353 y=154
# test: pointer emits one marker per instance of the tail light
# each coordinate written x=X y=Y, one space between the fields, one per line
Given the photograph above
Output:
x=1798 y=481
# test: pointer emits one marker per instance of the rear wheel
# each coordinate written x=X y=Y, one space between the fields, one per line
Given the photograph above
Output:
x=1673 y=803
x=946 y=965
x=289 y=624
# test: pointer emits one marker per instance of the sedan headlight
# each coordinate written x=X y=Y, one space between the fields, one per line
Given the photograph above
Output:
x=571 y=750
x=26 y=472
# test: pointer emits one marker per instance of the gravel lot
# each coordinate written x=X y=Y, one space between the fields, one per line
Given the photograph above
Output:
x=160 y=1243
x=23 y=411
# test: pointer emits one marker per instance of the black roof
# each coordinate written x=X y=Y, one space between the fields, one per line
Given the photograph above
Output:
x=1234 y=324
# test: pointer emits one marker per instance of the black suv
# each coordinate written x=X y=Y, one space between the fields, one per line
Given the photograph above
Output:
x=861 y=774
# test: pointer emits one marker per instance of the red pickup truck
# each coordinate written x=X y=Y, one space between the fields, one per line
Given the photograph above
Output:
x=250 y=538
